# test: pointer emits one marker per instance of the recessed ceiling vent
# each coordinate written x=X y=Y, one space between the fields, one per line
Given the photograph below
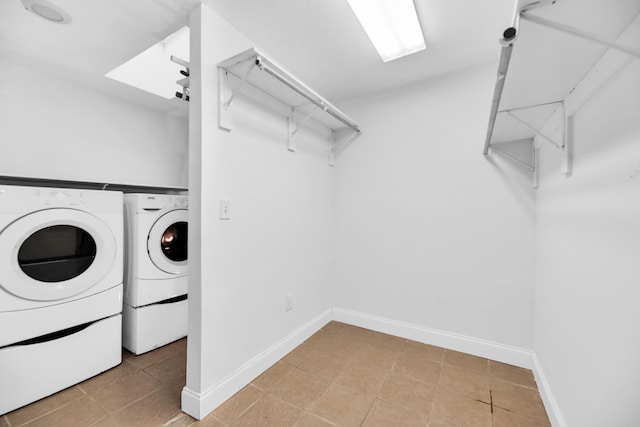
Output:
x=46 y=10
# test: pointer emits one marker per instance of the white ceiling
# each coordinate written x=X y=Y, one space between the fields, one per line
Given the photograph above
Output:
x=320 y=41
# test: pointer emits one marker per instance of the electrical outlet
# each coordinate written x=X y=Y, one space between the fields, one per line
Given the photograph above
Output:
x=288 y=302
x=225 y=209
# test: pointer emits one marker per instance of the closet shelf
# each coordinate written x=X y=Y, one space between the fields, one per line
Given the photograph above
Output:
x=535 y=78
x=256 y=76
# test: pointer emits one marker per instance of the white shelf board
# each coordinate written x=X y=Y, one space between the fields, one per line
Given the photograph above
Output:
x=546 y=64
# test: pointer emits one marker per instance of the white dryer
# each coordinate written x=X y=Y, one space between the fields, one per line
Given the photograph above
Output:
x=156 y=277
x=61 y=271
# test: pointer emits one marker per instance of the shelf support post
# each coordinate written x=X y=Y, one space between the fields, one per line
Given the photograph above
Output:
x=332 y=148
x=566 y=162
x=291 y=142
x=536 y=166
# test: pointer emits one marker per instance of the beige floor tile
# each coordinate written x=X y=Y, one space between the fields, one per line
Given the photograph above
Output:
x=465 y=382
x=386 y=342
x=450 y=409
x=408 y=392
x=323 y=363
x=209 y=421
x=180 y=420
x=98 y=382
x=106 y=422
x=345 y=343
x=512 y=374
x=269 y=411
x=333 y=327
x=385 y=414
x=467 y=361
x=415 y=366
x=516 y=398
x=272 y=376
x=426 y=351
x=43 y=406
x=297 y=355
x=310 y=420
x=319 y=339
x=176 y=384
x=81 y=412
x=356 y=332
x=125 y=391
x=169 y=369
x=159 y=354
x=379 y=354
x=343 y=406
x=151 y=411
x=300 y=388
x=4 y=422
x=503 y=418
x=237 y=404
x=366 y=373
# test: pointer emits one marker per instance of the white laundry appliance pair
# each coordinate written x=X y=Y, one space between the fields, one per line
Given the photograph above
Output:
x=61 y=271
x=155 y=282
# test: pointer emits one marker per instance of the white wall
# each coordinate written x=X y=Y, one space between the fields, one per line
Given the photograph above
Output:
x=587 y=319
x=276 y=242
x=429 y=231
x=54 y=128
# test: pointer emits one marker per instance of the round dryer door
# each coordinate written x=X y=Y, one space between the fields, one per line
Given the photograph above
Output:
x=167 y=242
x=55 y=254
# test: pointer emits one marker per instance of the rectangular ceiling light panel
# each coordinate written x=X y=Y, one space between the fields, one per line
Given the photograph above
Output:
x=392 y=26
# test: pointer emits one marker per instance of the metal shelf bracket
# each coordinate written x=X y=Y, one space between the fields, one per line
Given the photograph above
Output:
x=291 y=145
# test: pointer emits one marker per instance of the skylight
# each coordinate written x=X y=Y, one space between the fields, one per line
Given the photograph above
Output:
x=392 y=26
x=152 y=69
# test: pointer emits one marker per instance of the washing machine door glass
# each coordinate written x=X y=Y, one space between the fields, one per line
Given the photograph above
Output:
x=55 y=254
x=174 y=242
x=167 y=242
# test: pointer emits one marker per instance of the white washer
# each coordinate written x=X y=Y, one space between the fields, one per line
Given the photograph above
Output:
x=156 y=278
x=61 y=270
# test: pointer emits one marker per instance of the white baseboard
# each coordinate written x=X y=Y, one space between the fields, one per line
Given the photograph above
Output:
x=198 y=405
x=549 y=400
x=478 y=347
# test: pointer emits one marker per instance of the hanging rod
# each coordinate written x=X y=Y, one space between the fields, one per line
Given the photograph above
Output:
x=270 y=68
x=505 y=55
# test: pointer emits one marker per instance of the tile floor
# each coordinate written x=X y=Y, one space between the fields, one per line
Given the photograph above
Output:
x=341 y=376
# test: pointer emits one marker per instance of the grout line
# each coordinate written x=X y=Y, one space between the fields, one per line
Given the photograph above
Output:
x=54 y=409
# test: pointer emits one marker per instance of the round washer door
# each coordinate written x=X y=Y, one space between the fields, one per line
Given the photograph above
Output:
x=55 y=254
x=167 y=242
